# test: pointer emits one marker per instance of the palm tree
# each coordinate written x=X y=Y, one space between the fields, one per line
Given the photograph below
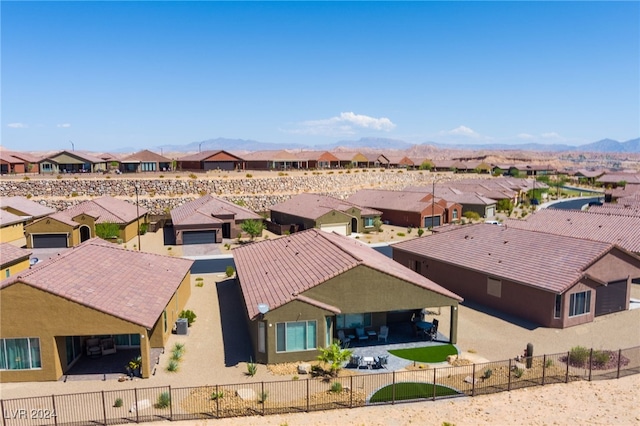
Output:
x=334 y=355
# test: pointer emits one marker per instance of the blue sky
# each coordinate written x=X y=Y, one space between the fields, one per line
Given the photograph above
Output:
x=107 y=75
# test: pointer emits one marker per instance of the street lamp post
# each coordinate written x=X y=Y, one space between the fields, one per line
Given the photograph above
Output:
x=138 y=216
x=200 y=146
x=73 y=147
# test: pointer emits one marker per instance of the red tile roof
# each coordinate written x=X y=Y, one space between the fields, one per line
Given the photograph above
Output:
x=391 y=200
x=204 y=210
x=7 y=218
x=10 y=254
x=617 y=229
x=313 y=206
x=145 y=156
x=276 y=272
x=131 y=285
x=550 y=262
x=104 y=209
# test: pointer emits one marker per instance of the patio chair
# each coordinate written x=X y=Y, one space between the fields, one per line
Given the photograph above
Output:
x=108 y=346
x=355 y=361
x=382 y=361
x=433 y=331
x=384 y=333
x=361 y=334
x=93 y=347
x=344 y=340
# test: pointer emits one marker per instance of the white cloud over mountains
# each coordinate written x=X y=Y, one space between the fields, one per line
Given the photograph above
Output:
x=347 y=123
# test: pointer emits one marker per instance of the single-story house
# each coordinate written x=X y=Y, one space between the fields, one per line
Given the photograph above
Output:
x=145 y=161
x=211 y=160
x=552 y=280
x=13 y=259
x=613 y=180
x=273 y=160
x=75 y=297
x=22 y=206
x=10 y=164
x=469 y=201
x=351 y=159
x=11 y=227
x=77 y=224
x=623 y=230
x=72 y=162
x=301 y=290
x=405 y=208
x=209 y=219
x=305 y=211
x=317 y=160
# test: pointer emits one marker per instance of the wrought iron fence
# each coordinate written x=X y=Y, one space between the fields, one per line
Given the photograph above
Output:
x=291 y=396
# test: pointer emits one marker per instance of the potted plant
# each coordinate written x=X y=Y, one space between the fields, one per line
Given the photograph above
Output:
x=133 y=367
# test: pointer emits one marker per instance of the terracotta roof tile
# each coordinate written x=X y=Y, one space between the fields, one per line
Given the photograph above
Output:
x=131 y=285
x=10 y=253
x=278 y=271
x=617 y=229
x=26 y=206
x=550 y=262
x=204 y=210
x=7 y=218
x=313 y=206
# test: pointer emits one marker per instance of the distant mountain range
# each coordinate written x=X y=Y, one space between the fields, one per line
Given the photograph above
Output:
x=602 y=146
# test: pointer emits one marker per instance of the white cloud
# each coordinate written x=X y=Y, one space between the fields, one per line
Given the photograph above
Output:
x=63 y=125
x=526 y=136
x=552 y=135
x=347 y=123
x=17 y=125
x=462 y=131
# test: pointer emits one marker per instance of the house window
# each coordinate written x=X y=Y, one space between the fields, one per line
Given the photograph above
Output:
x=74 y=348
x=353 y=320
x=368 y=222
x=558 y=308
x=454 y=214
x=20 y=354
x=295 y=336
x=580 y=303
x=7 y=272
x=46 y=167
x=164 y=319
x=262 y=337
x=494 y=287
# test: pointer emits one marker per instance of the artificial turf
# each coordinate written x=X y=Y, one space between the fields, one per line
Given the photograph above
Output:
x=428 y=354
x=410 y=390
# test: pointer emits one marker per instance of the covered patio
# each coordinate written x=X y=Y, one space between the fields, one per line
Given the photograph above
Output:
x=107 y=367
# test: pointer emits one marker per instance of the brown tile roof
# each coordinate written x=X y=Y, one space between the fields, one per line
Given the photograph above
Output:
x=617 y=229
x=206 y=155
x=146 y=156
x=10 y=254
x=270 y=156
x=312 y=206
x=630 y=178
x=391 y=200
x=617 y=209
x=26 y=206
x=131 y=285
x=278 y=271
x=105 y=209
x=546 y=261
x=204 y=210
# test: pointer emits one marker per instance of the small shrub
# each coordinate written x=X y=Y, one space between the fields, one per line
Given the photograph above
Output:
x=252 y=368
x=295 y=378
x=118 y=402
x=401 y=234
x=59 y=177
x=229 y=271
x=600 y=358
x=420 y=232
x=26 y=178
x=164 y=400
x=193 y=176
x=176 y=354
x=336 y=387
x=200 y=284
x=227 y=246
x=263 y=397
x=217 y=395
x=249 y=175
x=172 y=366
x=548 y=363
x=161 y=176
x=189 y=315
x=578 y=356
x=29 y=196
x=472 y=215
x=487 y=373
x=518 y=372
x=74 y=194
x=179 y=346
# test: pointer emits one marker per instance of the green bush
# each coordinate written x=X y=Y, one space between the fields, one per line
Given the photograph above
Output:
x=217 y=395
x=172 y=366
x=164 y=400
x=578 y=356
x=487 y=373
x=252 y=368
x=471 y=215
x=263 y=397
x=176 y=354
x=118 y=402
x=401 y=234
x=600 y=358
x=229 y=271
x=336 y=387
x=189 y=315
x=518 y=372
x=420 y=232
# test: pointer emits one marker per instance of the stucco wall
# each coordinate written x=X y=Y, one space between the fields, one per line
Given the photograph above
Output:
x=50 y=316
x=14 y=268
x=11 y=232
x=51 y=226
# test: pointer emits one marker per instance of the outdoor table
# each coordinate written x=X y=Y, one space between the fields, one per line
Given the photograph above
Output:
x=424 y=325
x=369 y=360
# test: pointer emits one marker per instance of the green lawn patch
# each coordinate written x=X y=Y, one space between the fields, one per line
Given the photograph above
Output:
x=410 y=390
x=428 y=354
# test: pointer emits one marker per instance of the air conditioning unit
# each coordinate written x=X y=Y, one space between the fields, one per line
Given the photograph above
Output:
x=182 y=326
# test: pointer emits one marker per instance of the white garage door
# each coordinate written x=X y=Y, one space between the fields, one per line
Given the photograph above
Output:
x=338 y=229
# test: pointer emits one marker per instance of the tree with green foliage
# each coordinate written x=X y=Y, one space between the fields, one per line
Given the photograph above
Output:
x=334 y=356
x=472 y=215
x=107 y=230
x=253 y=227
x=426 y=165
x=498 y=172
x=377 y=224
x=505 y=205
